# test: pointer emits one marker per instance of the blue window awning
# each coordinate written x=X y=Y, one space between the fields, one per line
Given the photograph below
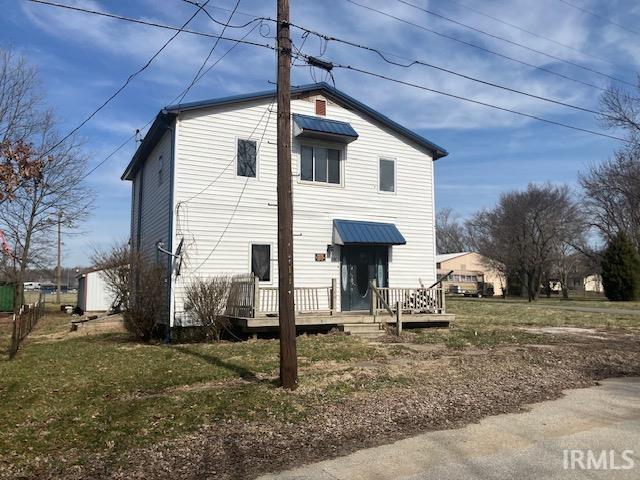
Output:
x=353 y=232
x=323 y=128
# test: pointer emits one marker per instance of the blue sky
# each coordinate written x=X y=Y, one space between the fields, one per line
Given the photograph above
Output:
x=83 y=59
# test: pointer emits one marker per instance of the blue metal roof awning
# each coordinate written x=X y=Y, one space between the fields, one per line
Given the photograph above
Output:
x=353 y=232
x=323 y=128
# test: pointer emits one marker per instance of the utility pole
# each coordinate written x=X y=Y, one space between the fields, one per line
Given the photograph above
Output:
x=59 y=268
x=286 y=310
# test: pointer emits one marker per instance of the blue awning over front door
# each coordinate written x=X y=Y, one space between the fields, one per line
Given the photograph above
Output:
x=354 y=232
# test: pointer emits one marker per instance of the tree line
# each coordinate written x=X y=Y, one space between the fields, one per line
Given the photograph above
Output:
x=549 y=231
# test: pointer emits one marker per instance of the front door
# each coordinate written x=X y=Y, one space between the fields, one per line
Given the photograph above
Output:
x=360 y=265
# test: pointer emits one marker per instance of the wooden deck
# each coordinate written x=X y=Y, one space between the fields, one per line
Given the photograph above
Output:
x=304 y=321
x=254 y=308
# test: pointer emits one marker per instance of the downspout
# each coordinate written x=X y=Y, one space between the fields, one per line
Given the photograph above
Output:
x=170 y=234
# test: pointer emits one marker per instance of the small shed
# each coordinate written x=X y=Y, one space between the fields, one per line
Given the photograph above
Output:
x=93 y=294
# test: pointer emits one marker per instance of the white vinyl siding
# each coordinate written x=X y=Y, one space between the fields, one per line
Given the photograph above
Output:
x=153 y=201
x=224 y=219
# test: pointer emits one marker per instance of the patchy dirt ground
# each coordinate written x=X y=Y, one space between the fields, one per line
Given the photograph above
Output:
x=442 y=388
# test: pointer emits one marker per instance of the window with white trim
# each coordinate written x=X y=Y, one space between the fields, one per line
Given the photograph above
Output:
x=247 y=157
x=387 y=175
x=320 y=164
x=261 y=261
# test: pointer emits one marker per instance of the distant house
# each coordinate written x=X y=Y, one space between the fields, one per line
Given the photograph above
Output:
x=469 y=270
x=593 y=283
x=204 y=182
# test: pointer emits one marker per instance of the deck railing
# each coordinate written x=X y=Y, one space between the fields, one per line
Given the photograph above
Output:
x=417 y=300
x=247 y=298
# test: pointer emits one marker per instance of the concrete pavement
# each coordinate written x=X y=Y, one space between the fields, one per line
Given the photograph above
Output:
x=538 y=444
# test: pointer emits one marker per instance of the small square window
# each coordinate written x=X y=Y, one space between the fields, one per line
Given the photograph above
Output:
x=261 y=262
x=387 y=175
x=246 y=161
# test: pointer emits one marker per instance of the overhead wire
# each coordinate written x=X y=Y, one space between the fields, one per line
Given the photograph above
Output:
x=601 y=17
x=237 y=204
x=529 y=32
x=215 y=44
x=385 y=56
x=478 y=47
x=126 y=82
x=477 y=102
x=511 y=42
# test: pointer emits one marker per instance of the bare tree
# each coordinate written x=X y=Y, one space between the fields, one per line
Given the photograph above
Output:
x=612 y=194
x=20 y=117
x=451 y=235
x=138 y=285
x=28 y=220
x=523 y=235
x=612 y=189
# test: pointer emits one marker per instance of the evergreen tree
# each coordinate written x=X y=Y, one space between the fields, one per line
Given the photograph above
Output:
x=621 y=269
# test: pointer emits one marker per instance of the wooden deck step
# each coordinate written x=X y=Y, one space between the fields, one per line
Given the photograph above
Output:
x=368 y=330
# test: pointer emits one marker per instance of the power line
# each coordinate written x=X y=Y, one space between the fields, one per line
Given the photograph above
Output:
x=382 y=54
x=117 y=149
x=479 y=47
x=529 y=32
x=478 y=102
x=511 y=42
x=233 y=11
x=215 y=44
x=206 y=187
x=601 y=17
x=127 y=81
x=237 y=204
x=155 y=24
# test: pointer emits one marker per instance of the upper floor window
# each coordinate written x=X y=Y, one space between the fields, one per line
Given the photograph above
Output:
x=320 y=164
x=247 y=158
x=387 y=175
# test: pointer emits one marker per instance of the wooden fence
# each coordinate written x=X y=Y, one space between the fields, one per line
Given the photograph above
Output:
x=23 y=323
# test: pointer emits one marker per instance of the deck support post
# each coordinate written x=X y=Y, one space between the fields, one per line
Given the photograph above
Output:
x=334 y=296
x=372 y=299
x=442 y=305
x=399 y=318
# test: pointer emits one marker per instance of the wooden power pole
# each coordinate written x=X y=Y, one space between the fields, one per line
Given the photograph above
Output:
x=59 y=268
x=286 y=310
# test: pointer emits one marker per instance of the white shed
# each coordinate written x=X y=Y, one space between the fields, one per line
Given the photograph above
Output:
x=93 y=294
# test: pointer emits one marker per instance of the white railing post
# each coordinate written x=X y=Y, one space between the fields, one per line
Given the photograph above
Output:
x=334 y=296
x=442 y=305
x=256 y=296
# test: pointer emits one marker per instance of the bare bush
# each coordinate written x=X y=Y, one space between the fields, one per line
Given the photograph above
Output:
x=206 y=301
x=139 y=286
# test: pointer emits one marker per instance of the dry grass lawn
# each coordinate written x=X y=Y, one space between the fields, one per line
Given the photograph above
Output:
x=102 y=406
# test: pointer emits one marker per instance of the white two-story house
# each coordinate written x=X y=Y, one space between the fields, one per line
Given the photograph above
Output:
x=204 y=183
